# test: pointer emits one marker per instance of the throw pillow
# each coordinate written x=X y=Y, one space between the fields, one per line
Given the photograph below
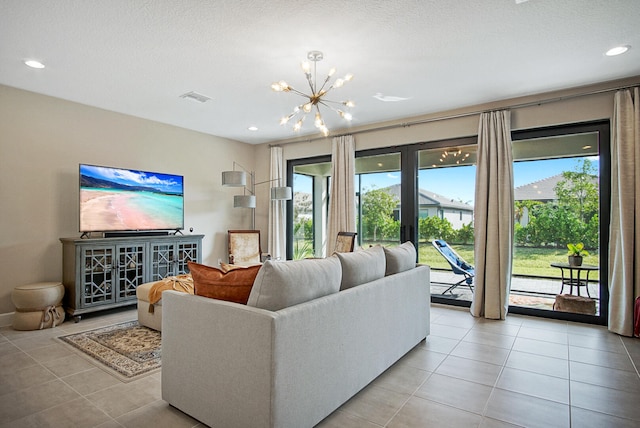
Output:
x=233 y=286
x=400 y=258
x=281 y=284
x=361 y=266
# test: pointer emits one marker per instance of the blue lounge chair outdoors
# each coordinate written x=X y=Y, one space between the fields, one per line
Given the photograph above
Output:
x=458 y=265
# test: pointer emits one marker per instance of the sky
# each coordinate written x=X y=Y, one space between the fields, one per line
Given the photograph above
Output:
x=457 y=183
x=132 y=177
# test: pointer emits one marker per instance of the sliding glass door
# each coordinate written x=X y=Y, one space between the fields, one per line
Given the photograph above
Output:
x=424 y=193
x=379 y=198
x=379 y=195
x=307 y=211
x=561 y=178
x=446 y=186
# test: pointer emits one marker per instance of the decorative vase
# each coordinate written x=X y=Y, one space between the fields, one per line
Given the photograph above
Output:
x=575 y=260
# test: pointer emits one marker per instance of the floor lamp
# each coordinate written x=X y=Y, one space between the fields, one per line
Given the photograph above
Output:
x=237 y=178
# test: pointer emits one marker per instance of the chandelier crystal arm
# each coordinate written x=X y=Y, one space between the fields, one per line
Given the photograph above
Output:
x=311 y=85
x=345 y=115
x=297 y=92
x=324 y=101
x=329 y=106
x=321 y=90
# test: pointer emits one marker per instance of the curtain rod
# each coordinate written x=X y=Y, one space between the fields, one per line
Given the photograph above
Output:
x=457 y=116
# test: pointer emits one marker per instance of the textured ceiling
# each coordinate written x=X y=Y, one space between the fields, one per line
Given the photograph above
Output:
x=137 y=57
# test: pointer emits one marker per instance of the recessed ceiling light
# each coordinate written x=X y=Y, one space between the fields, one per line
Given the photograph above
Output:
x=33 y=63
x=618 y=50
x=252 y=128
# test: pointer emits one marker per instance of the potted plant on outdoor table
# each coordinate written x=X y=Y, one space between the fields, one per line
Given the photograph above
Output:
x=576 y=253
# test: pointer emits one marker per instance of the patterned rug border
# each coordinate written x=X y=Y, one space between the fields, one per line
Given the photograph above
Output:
x=122 y=366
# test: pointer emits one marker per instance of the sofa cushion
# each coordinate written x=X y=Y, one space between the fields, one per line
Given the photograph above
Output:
x=233 y=286
x=400 y=258
x=281 y=284
x=360 y=267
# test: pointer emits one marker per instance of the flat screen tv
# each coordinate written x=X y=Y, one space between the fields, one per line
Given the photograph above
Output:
x=119 y=200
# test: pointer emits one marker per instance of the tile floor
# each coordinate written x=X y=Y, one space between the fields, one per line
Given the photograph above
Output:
x=469 y=373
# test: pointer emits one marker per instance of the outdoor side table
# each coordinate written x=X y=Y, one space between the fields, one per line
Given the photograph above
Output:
x=571 y=276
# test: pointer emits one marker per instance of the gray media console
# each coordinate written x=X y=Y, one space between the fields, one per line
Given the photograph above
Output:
x=103 y=273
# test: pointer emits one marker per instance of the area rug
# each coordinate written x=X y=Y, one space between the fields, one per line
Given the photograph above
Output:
x=531 y=302
x=128 y=349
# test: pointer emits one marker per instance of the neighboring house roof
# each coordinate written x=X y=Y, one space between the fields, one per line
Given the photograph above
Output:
x=429 y=198
x=541 y=190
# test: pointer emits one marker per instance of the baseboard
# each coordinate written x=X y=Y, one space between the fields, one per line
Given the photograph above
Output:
x=6 y=319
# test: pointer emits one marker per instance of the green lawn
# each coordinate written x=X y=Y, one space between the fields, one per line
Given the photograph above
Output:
x=527 y=261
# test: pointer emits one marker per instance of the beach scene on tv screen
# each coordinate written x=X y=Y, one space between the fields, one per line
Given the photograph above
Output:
x=123 y=199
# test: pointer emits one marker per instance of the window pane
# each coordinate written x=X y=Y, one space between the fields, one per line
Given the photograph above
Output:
x=302 y=216
x=556 y=203
x=378 y=199
x=446 y=188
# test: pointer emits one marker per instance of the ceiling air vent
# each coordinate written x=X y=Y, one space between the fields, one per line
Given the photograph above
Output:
x=195 y=96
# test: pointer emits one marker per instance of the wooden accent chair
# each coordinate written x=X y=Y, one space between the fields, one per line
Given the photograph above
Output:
x=244 y=247
x=345 y=242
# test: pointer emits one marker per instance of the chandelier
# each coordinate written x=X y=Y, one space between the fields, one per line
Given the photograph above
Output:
x=455 y=155
x=316 y=96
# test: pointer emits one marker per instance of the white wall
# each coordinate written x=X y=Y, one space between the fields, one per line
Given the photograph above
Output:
x=42 y=141
x=454 y=218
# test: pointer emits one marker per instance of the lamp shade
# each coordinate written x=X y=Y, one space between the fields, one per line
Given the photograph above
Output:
x=244 y=201
x=234 y=178
x=280 y=193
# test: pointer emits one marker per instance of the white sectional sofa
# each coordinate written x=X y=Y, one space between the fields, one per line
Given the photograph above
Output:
x=293 y=363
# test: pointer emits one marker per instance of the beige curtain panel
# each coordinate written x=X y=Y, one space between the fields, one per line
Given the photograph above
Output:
x=624 y=240
x=493 y=216
x=277 y=216
x=342 y=203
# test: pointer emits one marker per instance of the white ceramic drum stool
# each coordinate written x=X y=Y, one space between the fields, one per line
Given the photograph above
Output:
x=38 y=305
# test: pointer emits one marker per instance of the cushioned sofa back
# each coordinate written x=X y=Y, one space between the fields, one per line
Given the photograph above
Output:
x=282 y=284
x=400 y=258
x=360 y=267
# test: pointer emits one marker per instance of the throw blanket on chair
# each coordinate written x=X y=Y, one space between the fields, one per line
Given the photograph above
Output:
x=183 y=283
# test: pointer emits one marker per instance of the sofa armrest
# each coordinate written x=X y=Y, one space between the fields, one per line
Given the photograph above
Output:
x=215 y=355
